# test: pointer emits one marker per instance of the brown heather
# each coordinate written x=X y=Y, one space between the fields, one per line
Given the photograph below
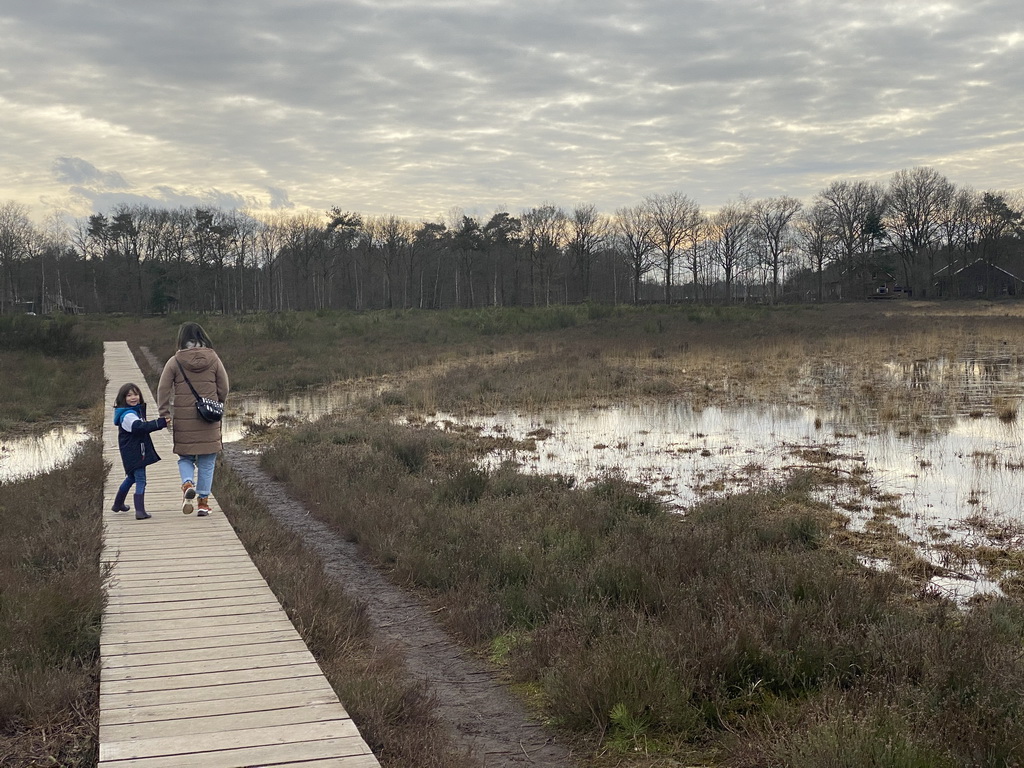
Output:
x=394 y=713
x=738 y=630
x=742 y=634
x=51 y=602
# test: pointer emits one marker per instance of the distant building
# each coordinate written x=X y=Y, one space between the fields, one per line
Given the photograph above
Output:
x=979 y=279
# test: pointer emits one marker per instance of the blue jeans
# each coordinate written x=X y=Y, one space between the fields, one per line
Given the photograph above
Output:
x=136 y=477
x=198 y=469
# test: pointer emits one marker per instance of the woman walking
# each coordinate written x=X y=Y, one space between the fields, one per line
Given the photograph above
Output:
x=196 y=441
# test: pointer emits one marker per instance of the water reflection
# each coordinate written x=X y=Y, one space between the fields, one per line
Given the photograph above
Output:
x=934 y=486
x=22 y=457
x=247 y=410
x=974 y=467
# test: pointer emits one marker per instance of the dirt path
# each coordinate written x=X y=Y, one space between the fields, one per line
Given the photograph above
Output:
x=484 y=716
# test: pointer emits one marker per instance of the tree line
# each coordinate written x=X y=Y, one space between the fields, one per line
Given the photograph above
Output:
x=665 y=248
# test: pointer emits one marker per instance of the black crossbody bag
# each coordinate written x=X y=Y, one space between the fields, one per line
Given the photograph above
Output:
x=209 y=410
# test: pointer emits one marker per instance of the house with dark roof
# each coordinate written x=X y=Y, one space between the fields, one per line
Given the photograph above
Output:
x=979 y=279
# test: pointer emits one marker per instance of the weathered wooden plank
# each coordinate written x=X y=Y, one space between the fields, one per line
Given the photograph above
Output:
x=313 y=680
x=168 y=594
x=350 y=752
x=225 y=576
x=204 y=666
x=192 y=628
x=190 y=654
x=211 y=707
x=112 y=651
x=211 y=678
x=190 y=605
x=268 y=717
x=227 y=740
x=268 y=609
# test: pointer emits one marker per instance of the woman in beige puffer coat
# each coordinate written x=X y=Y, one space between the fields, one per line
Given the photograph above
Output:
x=197 y=442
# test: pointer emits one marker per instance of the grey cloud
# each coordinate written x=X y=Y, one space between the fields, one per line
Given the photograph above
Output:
x=417 y=104
x=81 y=173
x=279 y=199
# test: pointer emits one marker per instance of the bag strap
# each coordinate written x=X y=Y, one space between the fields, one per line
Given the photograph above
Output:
x=194 y=393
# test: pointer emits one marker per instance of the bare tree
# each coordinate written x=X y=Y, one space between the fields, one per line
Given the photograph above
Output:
x=857 y=211
x=917 y=199
x=816 y=235
x=730 y=236
x=544 y=234
x=588 y=233
x=959 y=227
x=15 y=237
x=772 y=228
x=675 y=217
x=634 y=234
x=997 y=220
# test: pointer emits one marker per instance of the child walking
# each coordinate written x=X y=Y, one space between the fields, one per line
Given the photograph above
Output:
x=136 y=446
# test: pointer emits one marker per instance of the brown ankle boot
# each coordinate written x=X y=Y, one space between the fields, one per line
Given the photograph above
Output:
x=204 y=507
x=188 y=492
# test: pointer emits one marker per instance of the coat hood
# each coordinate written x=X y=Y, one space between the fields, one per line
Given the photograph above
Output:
x=196 y=359
x=119 y=412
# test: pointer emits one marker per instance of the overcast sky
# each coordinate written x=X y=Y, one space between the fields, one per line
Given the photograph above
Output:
x=416 y=107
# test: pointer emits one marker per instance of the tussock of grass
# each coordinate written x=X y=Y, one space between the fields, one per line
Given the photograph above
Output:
x=394 y=712
x=51 y=602
x=740 y=627
x=42 y=391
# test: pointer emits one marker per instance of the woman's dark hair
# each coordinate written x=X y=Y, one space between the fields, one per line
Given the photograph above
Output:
x=121 y=401
x=193 y=332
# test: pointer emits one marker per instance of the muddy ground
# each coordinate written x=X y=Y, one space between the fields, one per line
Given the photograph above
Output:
x=484 y=716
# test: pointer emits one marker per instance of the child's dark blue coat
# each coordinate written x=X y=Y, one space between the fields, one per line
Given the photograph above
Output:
x=137 y=446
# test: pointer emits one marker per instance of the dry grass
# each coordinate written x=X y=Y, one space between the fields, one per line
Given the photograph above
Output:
x=51 y=601
x=394 y=712
x=741 y=630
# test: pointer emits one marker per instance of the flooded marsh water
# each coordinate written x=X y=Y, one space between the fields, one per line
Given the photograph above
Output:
x=23 y=456
x=935 y=447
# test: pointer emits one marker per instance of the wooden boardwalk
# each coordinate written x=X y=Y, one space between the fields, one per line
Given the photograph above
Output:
x=201 y=666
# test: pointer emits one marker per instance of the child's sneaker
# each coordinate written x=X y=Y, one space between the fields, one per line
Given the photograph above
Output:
x=188 y=491
x=204 y=507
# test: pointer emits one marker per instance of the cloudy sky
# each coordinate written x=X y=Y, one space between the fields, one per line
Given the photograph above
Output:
x=416 y=107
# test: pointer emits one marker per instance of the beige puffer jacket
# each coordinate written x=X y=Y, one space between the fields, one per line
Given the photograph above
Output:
x=174 y=399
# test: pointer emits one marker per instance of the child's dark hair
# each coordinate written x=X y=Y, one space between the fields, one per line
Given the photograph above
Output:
x=121 y=401
x=194 y=333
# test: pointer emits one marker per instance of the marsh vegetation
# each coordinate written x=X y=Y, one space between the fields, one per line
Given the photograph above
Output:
x=735 y=625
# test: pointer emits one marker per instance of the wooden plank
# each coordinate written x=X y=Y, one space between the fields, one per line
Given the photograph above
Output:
x=261 y=674
x=229 y=740
x=211 y=707
x=268 y=717
x=313 y=680
x=268 y=609
x=128 y=641
x=174 y=593
x=189 y=654
x=202 y=666
x=340 y=753
x=124 y=585
x=112 y=651
x=191 y=605
x=193 y=628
